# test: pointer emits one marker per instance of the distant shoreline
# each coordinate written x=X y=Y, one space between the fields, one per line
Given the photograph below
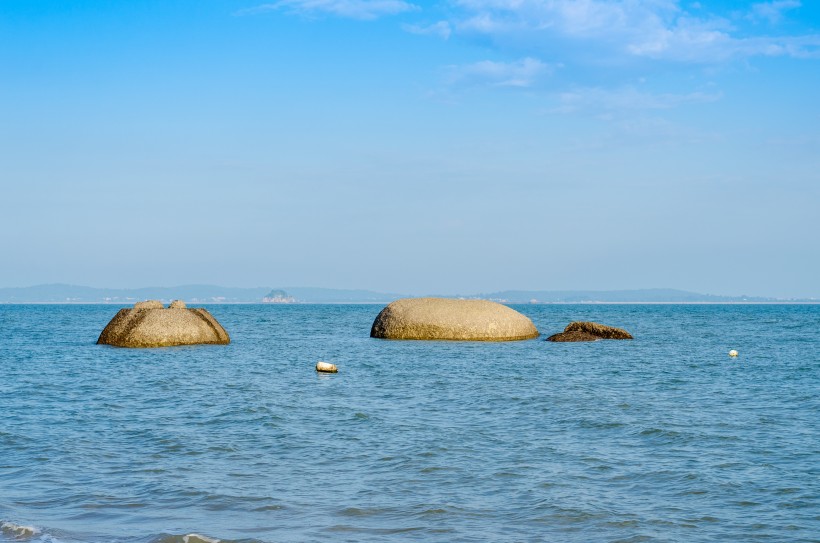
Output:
x=215 y=294
x=115 y=304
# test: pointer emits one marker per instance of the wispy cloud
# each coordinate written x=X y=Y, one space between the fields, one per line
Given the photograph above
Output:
x=773 y=12
x=520 y=73
x=441 y=29
x=656 y=29
x=352 y=9
x=627 y=98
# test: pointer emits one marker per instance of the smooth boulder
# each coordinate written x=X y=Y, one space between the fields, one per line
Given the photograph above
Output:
x=149 y=324
x=326 y=367
x=448 y=319
x=589 y=331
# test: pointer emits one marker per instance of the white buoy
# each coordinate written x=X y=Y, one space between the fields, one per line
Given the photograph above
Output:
x=733 y=353
x=326 y=367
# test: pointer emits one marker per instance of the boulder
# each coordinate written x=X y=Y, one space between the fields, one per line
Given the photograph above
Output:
x=149 y=324
x=148 y=304
x=589 y=331
x=326 y=367
x=448 y=319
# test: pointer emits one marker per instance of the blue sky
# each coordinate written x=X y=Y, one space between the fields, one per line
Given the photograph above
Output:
x=448 y=147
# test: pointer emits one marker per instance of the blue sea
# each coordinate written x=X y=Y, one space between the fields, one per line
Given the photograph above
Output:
x=664 y=438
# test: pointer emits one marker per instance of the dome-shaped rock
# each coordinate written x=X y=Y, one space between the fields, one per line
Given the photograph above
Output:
x=443 y=318
x=148 y=324
x=148 y=304
x=589 y=331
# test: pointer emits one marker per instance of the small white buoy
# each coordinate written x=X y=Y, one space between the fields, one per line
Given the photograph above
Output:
x=733 y=353
x=326 y=367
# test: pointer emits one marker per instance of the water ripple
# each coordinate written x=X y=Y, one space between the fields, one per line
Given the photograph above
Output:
x=660 y=439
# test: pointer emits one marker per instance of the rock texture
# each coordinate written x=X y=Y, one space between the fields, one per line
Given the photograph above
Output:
x=149 y=324
x=443 y=318
x=326 y=367
x=589 y=331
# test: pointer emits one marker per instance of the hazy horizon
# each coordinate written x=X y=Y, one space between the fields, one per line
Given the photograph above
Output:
x=415 y=147
x=290 y=288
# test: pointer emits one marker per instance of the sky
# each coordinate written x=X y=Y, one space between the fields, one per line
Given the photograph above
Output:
x=458 y=146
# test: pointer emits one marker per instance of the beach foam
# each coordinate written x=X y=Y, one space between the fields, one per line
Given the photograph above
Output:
x=197 y=538
x=188 y=538
x=17 y=531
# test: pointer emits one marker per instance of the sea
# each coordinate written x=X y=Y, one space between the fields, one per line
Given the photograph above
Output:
x=665 y=438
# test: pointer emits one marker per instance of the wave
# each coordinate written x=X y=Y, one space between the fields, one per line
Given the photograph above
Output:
x=13 y=532
x=187 y=538
x=197 y=538
x=18 y=532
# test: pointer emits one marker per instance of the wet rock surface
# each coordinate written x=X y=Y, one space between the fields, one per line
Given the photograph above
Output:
x=589 y=331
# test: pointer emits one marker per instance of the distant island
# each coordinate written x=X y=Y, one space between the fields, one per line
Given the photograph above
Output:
x=278 y=296
x=212 y=294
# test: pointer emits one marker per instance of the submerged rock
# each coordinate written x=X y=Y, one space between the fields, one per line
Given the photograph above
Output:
x=444 y=318
x=589 y=331
x=149 y=324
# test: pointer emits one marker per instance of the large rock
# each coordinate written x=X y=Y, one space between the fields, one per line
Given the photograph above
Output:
x=589 y=331
x=149 y=324
x=443 y=318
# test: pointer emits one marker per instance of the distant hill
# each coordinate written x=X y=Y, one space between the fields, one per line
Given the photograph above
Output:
x=203 y=294
x=212 y=294
x=615 y=296
x=337 y=296
x=326 y=296
x=59 y=293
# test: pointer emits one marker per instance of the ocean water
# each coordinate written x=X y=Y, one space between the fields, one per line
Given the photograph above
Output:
x=664 y=438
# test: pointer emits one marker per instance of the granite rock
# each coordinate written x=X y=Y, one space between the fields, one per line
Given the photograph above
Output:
x=449 y=319
x=149 y=324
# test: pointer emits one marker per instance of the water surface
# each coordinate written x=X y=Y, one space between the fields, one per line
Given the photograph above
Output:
x=664 y=438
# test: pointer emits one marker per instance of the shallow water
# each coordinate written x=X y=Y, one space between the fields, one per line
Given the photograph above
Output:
x=664 y=438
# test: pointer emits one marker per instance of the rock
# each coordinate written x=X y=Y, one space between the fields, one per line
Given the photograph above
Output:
x=326 y=367
x=443 y=318
x=589 y=331
x=148 y=324
x=148 y=304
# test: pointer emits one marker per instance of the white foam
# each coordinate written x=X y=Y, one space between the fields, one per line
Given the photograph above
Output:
x=198 y=538
x=18 y=531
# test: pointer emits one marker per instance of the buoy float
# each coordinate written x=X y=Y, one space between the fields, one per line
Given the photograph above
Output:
x=733 y=353
x=326 y=367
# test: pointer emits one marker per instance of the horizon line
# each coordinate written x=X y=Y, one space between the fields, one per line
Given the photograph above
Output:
x=563 y=290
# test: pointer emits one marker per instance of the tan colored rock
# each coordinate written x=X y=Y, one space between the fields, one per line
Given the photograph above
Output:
x=147 y=325
x=326 y=367
x=148 y=304
x=448 y=319
x=589 y=331
x=177 y=304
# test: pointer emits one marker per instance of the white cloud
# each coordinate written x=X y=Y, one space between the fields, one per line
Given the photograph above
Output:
x=352 y=9
x=521 y=73
x=656 y=29
x=773 y=11
x=441 y=29
x=626 y=98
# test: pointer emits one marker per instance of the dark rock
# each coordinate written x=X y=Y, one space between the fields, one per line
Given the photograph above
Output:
x=589 y=331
